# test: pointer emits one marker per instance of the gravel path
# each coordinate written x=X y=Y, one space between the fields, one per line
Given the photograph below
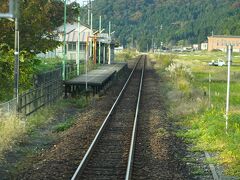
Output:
x=158 y=150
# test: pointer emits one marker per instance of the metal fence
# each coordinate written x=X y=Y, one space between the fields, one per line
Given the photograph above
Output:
x=46 y=77
x=9 y=107
x=48 y=87
x=34 y=99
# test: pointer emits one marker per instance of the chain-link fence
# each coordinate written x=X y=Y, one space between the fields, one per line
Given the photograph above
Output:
x=8 y=107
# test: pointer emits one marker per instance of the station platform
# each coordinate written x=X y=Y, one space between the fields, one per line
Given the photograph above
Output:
x=96 y=79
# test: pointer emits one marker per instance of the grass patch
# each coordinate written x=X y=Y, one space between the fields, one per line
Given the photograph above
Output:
x=161 y=132
x=40 y=118
x=125 y=55
x=204 y=125
x=79 y=102
x=65 y=125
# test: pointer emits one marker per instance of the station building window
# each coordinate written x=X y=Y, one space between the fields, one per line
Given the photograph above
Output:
x=72 y=46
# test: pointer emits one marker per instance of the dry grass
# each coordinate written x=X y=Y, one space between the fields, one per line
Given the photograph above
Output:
x=11 y=128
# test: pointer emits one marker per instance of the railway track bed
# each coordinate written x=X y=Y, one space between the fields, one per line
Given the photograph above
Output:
x=107 y=157
x=157 y=150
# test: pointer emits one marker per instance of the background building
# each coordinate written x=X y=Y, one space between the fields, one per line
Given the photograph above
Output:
x=102 y=45
x=204 y=46
x=72 y=41
x=220 y=42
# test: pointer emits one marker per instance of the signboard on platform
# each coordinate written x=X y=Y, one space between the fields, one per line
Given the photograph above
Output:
x=8 y=13
x=104 y=38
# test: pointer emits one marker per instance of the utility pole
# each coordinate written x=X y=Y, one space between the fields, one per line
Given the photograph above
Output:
x=64 y=42
x=88 y=6
x=16 y=56
x=99 y=43
x=229 y=58
x=109 y=47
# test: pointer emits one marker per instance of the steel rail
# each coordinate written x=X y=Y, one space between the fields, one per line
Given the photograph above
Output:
x=134 y=131
x=97 y=137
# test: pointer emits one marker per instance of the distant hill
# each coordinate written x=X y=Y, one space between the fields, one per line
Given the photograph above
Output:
x=141 y=22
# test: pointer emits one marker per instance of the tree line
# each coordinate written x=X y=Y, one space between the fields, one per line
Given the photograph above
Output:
x=139 y=22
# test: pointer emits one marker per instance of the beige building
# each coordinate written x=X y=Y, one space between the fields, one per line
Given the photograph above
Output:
x=204 y=46
x=72 y=41
x=220 y=42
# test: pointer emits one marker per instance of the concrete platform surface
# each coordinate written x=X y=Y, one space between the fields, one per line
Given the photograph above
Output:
x=98 y=76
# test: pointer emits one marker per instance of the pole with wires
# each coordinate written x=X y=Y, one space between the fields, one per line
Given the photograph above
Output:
x=16 y=51
x=109 y=46
x=64 y=42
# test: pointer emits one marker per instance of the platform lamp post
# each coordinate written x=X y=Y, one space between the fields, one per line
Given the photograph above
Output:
x=87 y=57
x=109 y=46
x=91 y=27
x=86 y=65
x=99 y=43
x=64 y=42
x=109 y=60
x=88 y=4
x=78 y=49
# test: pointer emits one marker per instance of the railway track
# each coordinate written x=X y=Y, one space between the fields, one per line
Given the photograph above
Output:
x=110 y=155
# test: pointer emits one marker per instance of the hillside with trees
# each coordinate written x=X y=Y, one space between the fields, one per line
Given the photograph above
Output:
x=139 y=22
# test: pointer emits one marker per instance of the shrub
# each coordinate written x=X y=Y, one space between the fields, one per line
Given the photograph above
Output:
x=179 y=71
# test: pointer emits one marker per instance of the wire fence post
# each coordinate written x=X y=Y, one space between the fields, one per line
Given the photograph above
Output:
x=229 y=59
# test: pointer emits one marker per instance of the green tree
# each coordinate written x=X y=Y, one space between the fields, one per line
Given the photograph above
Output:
x=188 y=20
x=38 y=22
